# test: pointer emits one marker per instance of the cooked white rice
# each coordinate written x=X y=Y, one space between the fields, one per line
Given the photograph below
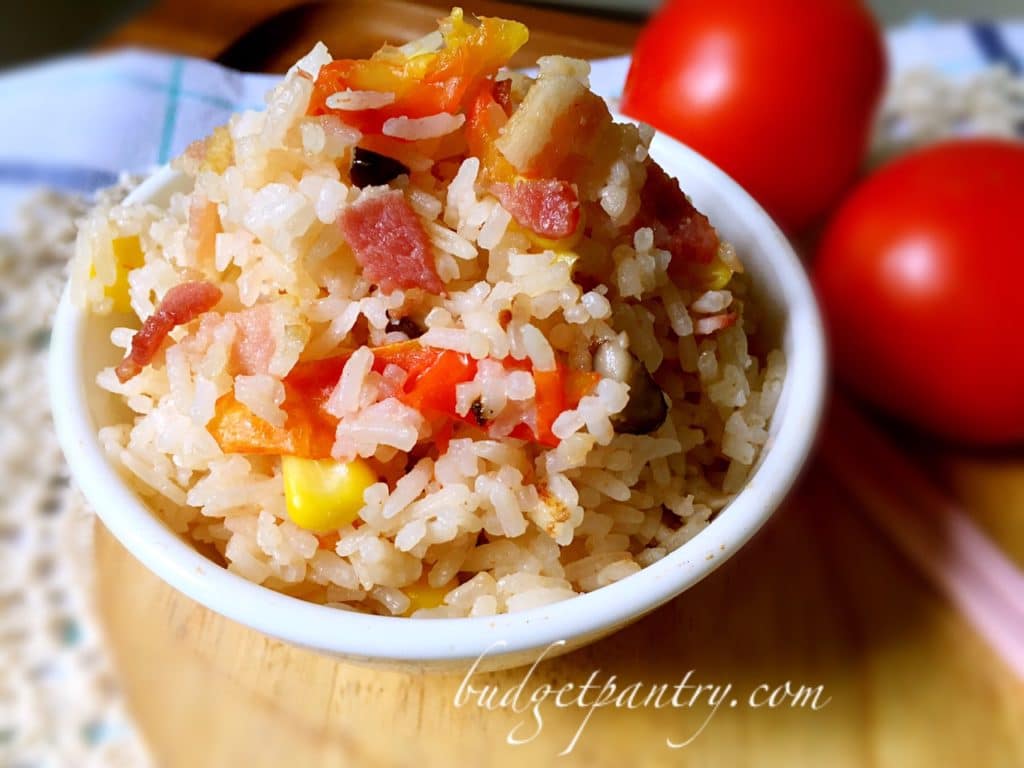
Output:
x=498 y=523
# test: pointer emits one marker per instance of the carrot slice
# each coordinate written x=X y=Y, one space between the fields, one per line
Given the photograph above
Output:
x=433 y=375
x=434 y=388
x=424 y=84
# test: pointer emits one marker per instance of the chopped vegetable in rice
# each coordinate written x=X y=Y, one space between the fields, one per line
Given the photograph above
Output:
x=429 y=338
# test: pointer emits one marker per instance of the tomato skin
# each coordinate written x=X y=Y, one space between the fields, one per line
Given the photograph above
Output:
x=485 y=117
x=920 y=275
x=779 y=94
x=427 y=83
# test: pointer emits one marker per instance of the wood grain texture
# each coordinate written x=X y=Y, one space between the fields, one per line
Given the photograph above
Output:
x=818 y=598
x=995 y=487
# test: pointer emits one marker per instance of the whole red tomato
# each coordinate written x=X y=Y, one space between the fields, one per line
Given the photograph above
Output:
x=920 y=275
x=778 y=93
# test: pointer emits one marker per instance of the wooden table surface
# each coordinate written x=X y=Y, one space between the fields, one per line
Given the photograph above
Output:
x=818 y=598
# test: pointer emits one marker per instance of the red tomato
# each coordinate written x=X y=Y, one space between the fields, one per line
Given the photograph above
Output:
x=779 y=93
x=920 y=276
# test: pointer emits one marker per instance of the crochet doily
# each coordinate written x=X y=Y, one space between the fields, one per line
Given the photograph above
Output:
x=59 y=701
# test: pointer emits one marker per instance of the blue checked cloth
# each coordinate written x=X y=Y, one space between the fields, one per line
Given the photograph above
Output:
x=75 y=123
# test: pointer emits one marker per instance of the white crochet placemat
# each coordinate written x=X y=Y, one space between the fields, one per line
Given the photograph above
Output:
x=59 y=700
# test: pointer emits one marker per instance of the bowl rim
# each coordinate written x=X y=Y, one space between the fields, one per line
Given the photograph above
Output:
x=370 y=637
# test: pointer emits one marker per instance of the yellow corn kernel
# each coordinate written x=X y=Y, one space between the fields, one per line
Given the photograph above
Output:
x=127 y=256
x=422 y=595
x=220 y=150
x=322 y=494
x=716 y=275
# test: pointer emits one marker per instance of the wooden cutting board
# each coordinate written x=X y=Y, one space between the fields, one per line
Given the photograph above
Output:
x=818 y=598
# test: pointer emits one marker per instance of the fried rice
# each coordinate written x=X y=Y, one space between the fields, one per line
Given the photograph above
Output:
x=429 y=338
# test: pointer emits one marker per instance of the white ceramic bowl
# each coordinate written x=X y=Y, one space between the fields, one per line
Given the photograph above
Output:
x=81 y=348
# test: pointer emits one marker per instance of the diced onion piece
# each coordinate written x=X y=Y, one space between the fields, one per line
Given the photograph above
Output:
x=533 y=126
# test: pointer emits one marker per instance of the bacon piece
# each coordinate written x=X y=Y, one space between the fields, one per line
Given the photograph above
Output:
x=251 y=331
x=254 y=344
x=390 y=244
x=548 y=207
x=679 y=228
x=182 y=304
x=251 y=335
x=203 y=226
